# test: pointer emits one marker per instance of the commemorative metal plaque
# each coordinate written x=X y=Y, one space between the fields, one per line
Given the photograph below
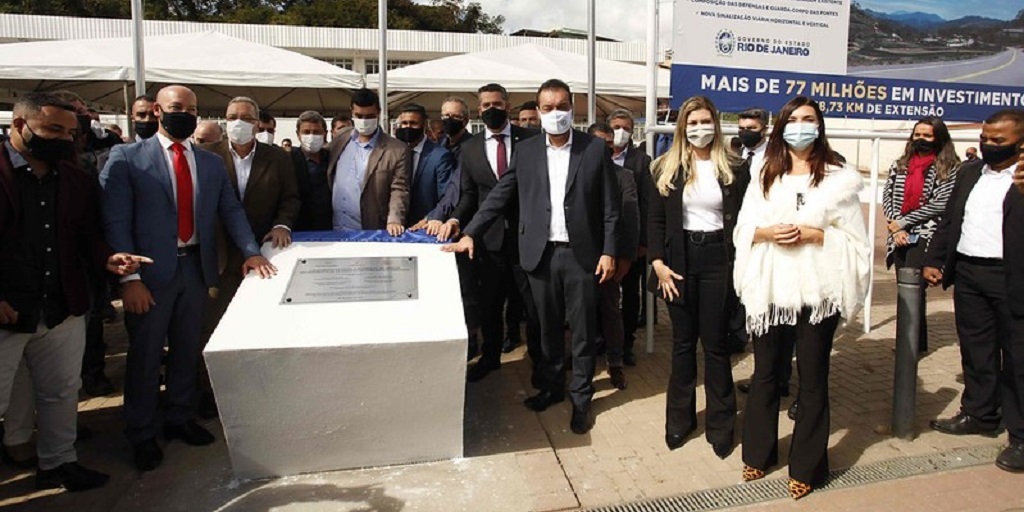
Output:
x=326 y=280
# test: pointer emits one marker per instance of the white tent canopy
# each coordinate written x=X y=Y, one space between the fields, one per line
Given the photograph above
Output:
x=521 y=69
x=226 y=66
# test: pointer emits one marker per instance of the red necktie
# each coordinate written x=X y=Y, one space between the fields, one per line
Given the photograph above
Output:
x=502 y=156
x=183 y=176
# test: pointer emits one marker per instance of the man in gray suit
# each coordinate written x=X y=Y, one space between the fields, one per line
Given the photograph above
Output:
x=569 y=204
x=162 y=198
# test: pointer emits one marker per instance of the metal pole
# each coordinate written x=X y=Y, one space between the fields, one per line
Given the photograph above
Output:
x=908 y=332
x=651 y=118
x=139 y=48
x=382 y=62
x=876 y=156
x=591 y=63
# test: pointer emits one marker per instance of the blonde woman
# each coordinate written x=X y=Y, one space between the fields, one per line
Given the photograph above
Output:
x=802 y=260
x=697 y=188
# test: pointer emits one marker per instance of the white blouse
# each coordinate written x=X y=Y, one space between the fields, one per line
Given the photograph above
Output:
x=702 y=200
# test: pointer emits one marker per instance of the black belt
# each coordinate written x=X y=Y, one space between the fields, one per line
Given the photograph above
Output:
x=982 y=262
x=188 y=250
x=705 y=237
x=560 y=245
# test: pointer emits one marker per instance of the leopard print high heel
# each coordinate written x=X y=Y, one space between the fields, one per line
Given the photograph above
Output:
x=798 y=489
x=750 y=474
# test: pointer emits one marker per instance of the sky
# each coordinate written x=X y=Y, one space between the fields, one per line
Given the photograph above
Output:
x=950 y=9
x=625 y=20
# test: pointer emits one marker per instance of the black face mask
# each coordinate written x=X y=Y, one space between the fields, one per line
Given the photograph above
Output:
x=924 y=146
x=494 y=118
x=995 y=155
x=48 y=150
x=452 y=126
x=179 y=125
x=408 y=135
x=750 y=138
x=146 y=129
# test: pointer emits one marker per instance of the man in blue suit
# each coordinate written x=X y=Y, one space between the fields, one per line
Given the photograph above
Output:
x=432 y=165
x=162 y=198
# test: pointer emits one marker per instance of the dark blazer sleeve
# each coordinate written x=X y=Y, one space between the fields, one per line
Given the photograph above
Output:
x=656 y=226
x=629 y=220
x=232 y=215
x=288 y=201
x=450 y=199
x=938 y=250
x=612 y=202
x=498 y=200
x=642 y=175
x=445 y=170
x=119 y=201
x=469 y=196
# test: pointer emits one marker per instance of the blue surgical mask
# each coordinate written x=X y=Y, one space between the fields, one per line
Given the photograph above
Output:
x=800 y=136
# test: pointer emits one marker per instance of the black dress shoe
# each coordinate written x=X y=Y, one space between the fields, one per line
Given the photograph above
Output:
x=70 y=476
x=581 y=421
x=618 y=377
x=190 y=432
x=722 y=450
x=629 y=359
x=97 y=385
x=541 y=401
x=794 y=408
x=1012 y=458
x=207 y=409
x=148 y=455
x=480 y=370
x=676 y=441
x=964 y=425
x=510 y=344
x=473 y=349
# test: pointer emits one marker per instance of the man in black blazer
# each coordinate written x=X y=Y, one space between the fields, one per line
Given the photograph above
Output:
x=569 y=203
x=311 y=162
x=485 y=159
x=977 y=247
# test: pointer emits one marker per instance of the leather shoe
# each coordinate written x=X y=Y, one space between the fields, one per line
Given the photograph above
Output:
x=541 y=401
x=97 y=385
x=207 y=409
x=1012 y=458
x=744 y=388
x=793 y=410
x=70 y=476
x=722 y=450
x=473 y=348
x=676 y=441
x=190 y=432
x=148 y=455
x=618 y=377
x=629 y=359
x=582 y=421
x=510 y=344
x=963 y=425
x=480 y=370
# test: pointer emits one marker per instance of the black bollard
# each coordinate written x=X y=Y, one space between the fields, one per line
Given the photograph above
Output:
x=908 y=322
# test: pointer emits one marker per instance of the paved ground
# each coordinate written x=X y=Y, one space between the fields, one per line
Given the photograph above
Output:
x=517 y=460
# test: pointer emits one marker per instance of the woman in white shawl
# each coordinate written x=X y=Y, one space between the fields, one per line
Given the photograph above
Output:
x=802 y=261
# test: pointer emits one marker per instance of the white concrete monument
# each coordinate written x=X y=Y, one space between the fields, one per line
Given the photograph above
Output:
x=352 y=356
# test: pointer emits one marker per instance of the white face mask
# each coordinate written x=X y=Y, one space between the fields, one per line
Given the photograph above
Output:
x=621 y=137
x=265 y=137
x=556 y=122
x=700 y=135
x=240 y=132
x=312 y=143
x=365 y=127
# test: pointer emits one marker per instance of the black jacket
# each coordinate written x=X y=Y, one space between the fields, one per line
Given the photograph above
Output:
x=310 y=218
x=640 y=163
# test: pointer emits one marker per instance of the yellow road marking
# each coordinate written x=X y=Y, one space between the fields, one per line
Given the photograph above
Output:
x=987 y=71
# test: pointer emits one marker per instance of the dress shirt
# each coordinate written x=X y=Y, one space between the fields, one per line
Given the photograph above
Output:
x=491 y=145
x=757 y=162
x=620 y=159
x=243 y=167
x=349 y=174
x=417 y=152
x=982 y=230
x=558 y=175
x=190 y=156
x=702 y=200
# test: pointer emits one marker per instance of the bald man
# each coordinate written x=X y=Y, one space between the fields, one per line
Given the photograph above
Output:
x=163 y=197
x=208 y=132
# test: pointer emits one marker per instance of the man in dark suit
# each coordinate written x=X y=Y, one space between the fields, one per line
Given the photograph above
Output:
x=311 y=162
x=485 y=159
x=625 y=155
x=368 y=172
x=569 y=204
x=977 y=248
x=162 y=198
x=432 y=165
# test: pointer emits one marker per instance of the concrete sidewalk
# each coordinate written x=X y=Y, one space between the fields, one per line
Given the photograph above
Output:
x=517 y=460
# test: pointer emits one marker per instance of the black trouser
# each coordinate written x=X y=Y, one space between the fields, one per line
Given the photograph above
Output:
x=808 y=450
x=983 y=324
x=913 y=256
x=501 y=278
x=564 y=290
x=703 y=316
x=94 y=356
x=469 y=286
x=632 y=298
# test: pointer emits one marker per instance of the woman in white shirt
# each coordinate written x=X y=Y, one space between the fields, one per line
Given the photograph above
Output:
x=696 y=191
x=802 y=261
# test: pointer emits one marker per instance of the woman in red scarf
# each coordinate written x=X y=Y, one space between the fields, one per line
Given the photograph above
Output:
x=915 y=196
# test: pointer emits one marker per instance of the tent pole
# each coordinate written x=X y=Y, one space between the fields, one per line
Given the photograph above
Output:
x=382 y=61
x=139 y=53
x=651 y=118
x=591 y=63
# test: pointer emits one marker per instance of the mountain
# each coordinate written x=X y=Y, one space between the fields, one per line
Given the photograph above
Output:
x=971 y=22
x=918 y=20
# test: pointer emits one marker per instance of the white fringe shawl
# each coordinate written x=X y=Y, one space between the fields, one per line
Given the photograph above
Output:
x=774 y=282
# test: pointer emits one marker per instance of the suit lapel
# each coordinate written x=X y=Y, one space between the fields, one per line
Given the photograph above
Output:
x=159 y=160
x=229 y=163
x=371 y=163
x=579 y=144
x=492 y=173
x=335 y=154
x=970 y=178
x=260 y=163
x=1013 y=198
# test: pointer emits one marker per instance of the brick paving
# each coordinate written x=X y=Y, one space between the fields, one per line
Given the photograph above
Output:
x=517 y=460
